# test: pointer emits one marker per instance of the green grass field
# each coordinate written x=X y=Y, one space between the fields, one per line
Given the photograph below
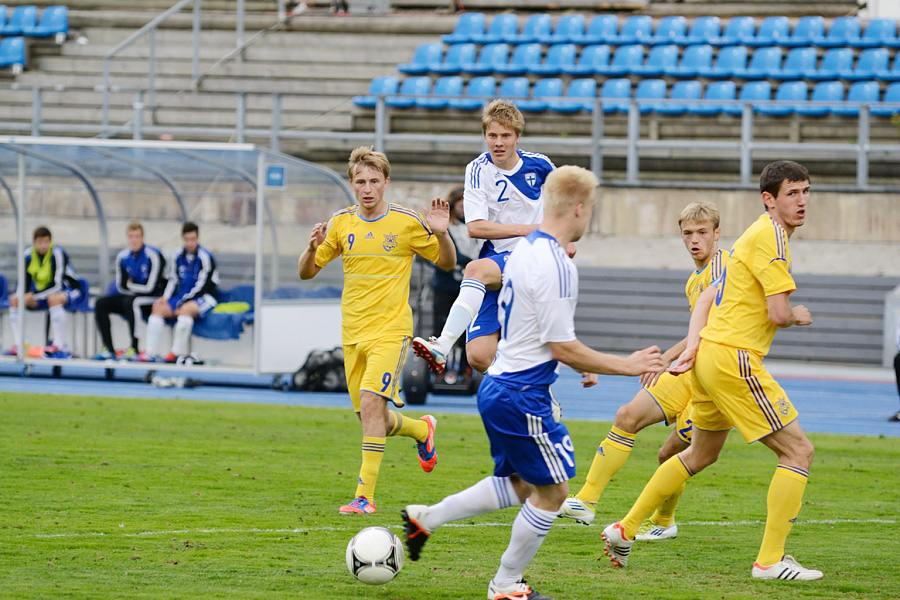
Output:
x=133 y=498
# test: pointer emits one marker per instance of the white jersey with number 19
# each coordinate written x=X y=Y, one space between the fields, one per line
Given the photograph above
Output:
x=537 y=306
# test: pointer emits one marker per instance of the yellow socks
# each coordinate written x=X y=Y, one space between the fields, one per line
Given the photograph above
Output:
x=611 y=455
x=665 y=514
x=783 y=504
x=372 y=453
x=670 y=476
x=413 y=428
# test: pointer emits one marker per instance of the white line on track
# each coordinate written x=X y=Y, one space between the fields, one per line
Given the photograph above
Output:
x=354 y=526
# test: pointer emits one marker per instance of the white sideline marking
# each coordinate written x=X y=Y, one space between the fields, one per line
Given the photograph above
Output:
x=354 y=526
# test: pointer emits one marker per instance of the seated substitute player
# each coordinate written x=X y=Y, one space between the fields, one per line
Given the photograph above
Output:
x=533 y=454
x=731 y=329
x=377 y=241
x=51 y=284
x=664 y=397
x=503 y=202
x=190 y=293
x=139 y=281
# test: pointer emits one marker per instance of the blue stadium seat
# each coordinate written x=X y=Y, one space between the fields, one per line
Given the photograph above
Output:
x=444 y=88
x=729 y=60
x=591 y=58
x=543 y=91
x=513 y=88
x=490 y=57
x=719 y=97
x=625 y=58
x=383 y=85
x=772 y=32
x=649 y=92
x=83 y=304
x=763 y=63
x=522 y=58
x=683 y=90
x=844 y=31
x=894 y=73
x=616 y=95
x=424 y=58
x=869 y=62
x=568 y=27
x=703 y=29
x=738 y=30
x=669 y=29
x=807 y=31
x=3 y=12
x=558 y=56
x=410 y=90
x=600 y=30
x=467 y=25
x=633 y=29
x=479 y=91
x=696 y=58
x=834 y=62
x=751 y=91
x=798 y=64
x=22 y=19
x=535 y=26
x=830 y=92
x=860 y=91
x=879 y=32
x=579 y=97
x=54 y=22
x=891 y=95
x=502 y=27
x=658 y=60
x=12 y=53
x=790 y=95
x=455 y=57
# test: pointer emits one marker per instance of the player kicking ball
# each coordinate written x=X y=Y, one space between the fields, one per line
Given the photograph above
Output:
x=533 y=454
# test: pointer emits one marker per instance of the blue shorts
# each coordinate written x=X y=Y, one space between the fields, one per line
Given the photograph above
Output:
x=487 y=321
x=523 y=435
x=206 y=302
x=73 y=295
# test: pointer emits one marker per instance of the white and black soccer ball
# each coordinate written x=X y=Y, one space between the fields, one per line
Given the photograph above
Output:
x=375 y=555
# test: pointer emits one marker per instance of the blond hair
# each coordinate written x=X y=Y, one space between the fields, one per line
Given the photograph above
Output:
x=365 y=156
x=135 y=226
x=568 y=186
x=503 y=113
x=700 y=212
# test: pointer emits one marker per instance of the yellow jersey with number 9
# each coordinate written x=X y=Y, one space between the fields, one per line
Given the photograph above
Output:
x=759 y=266
x=378 y=257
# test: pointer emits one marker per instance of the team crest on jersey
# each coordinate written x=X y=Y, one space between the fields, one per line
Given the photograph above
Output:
x=531 y=179
x=369 y=236
x=390 y=242
x=784 y=406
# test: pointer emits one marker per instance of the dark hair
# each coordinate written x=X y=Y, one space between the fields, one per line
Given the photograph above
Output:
x=778 y=172
x=190 y=227
x=41 y=232
x=455 y=195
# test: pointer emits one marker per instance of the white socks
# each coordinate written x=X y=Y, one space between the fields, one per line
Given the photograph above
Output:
x=528 y=533
x=491 y=493
x=14 y=321
x=182 y=335
x=155 y=327
x=58 y=327
x=462 y=313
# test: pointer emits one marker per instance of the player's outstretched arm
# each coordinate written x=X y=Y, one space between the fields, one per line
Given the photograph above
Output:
x=581 y=358
x=438 y=218
x=783 y=314
x=488 y=230
x=698 y=321
x=669 y=356
x=307 y=267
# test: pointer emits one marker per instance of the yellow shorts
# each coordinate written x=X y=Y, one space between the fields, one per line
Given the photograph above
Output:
x=684 y=423
x=732 y=387
x=672 y=394
x=375 y=366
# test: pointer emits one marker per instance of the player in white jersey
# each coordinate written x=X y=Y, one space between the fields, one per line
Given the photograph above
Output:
x=533 y=453
x=503 y=202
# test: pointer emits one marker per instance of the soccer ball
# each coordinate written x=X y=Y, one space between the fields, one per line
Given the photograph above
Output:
x=375 y=555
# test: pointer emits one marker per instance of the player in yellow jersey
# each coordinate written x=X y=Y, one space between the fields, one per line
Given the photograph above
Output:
x=731 y=330
x=663 y=397
x=377 y=241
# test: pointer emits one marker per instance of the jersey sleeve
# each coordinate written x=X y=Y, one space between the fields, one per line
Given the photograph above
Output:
x=475 y=201
x=331 y=247
x=556 y=292
x=771 y=262
x=422 y=240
